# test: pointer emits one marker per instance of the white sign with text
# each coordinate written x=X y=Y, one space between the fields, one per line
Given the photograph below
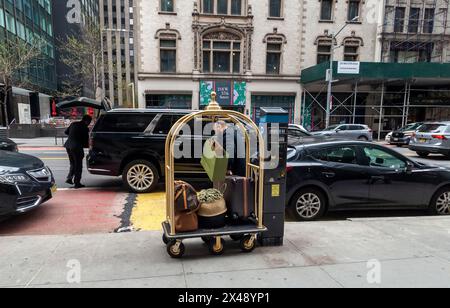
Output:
x=349 y=67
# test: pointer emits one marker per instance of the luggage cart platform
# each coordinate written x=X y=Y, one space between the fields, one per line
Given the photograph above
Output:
x=249 y=228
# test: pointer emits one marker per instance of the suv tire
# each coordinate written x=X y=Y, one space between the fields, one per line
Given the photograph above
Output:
x=140 y=176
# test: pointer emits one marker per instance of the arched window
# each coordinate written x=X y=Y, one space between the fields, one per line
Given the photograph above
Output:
x=351 y=48
x=222 y=53
x=168 y=49
x=274 y=43
x=324 y=46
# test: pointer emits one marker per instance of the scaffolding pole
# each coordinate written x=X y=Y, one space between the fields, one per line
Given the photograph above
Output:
x=381 y=112
x=355 y=101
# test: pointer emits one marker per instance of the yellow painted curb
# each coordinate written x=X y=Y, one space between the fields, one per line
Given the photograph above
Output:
x=149 y=212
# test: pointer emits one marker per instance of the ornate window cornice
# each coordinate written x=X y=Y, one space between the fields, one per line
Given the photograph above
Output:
x=167 y=33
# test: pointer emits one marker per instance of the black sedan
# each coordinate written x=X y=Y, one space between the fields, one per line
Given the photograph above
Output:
x=25 y=183
x=346 y=175
x=7 y=145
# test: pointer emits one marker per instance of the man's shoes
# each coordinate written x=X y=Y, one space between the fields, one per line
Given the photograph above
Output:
x=69 y=181
x=78 y=186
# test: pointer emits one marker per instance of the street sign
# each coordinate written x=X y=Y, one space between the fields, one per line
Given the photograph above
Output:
x=349 y=67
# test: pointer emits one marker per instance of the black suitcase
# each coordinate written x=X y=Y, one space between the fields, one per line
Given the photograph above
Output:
x=240 y=198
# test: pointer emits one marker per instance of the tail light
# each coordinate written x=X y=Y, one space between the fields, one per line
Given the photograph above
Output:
x=289 y=168
x=440 y=137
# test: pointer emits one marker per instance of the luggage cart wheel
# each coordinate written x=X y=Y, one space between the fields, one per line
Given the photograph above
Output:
x=216 y=246
x=175 y=249
x=165 y=239
x=248 y=243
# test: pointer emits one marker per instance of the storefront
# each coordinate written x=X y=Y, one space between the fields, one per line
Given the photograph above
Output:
x=231 y=95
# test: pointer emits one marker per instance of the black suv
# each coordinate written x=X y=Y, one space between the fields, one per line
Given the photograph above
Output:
x=131 y=143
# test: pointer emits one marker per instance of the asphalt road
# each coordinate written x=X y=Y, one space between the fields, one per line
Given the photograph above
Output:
x=56 y=159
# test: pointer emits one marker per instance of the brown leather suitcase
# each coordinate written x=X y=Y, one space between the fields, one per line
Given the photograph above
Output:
x=186 y=221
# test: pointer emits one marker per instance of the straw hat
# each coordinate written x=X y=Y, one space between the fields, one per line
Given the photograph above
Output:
x=212 y=209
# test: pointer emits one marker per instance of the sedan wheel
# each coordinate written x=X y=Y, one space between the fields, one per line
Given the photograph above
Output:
x=140 y=176
x=309 y=204
x=443 y=204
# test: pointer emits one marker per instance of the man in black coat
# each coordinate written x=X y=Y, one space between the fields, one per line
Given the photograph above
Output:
x=77 y=141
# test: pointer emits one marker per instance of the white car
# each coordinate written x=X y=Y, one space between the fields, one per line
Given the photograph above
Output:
x=388 y=137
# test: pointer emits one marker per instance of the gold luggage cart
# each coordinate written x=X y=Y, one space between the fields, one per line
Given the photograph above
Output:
x=246 y=233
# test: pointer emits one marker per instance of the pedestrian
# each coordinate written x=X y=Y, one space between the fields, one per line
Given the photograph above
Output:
x=77 y=141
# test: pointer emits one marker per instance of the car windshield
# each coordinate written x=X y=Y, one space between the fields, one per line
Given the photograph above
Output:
x=409 y=127
x=432 y=128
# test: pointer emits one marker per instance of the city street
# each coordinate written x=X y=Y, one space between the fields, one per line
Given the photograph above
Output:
x=77 y=227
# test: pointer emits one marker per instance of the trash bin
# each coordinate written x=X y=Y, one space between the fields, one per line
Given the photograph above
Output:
x=274 y=127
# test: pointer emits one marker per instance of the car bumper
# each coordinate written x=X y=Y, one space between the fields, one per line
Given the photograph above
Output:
x=430 y=149
x=402 y=141
x=20 y=199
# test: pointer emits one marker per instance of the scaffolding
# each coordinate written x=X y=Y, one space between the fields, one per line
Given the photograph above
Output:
x=384 y=96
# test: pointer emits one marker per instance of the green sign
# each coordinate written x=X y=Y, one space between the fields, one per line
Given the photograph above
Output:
x=229 y=93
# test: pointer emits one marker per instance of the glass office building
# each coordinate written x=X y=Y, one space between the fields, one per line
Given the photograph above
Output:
x=29 y=20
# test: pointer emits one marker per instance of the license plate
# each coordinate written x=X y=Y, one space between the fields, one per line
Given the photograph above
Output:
x=422 y=140
x=54 y=189
x=395 y=139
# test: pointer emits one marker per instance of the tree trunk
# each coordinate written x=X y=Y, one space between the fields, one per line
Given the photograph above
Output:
x=5 y=107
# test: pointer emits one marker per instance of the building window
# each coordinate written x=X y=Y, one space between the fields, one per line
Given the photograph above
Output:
x=273 y=61
x=275 y=8
x=221 y=56
x=222 y=7
x=323 y=51
x=208 y=6
x=428 y=23
x=414 y=17
x=167 y=6
x=326 y=10
x=399 y=22
x=171 y=101
x=287 y=102
x=351 y=50
x=168 y=55
x=353 y=10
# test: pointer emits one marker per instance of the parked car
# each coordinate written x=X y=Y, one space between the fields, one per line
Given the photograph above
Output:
x=297 y=134
x=388 y=137
x=431 y=138
x=354 y=175
x=348 y=131
x=403 y=135
x=25 y=183
x=8 y=145
x=131 y=143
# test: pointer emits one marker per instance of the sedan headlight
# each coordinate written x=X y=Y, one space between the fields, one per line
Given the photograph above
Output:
x=14 y=178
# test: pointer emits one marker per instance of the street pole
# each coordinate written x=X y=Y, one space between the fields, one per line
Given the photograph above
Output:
x=330 y=84
x=103 y=65
x=330 y=74
x=381 y=112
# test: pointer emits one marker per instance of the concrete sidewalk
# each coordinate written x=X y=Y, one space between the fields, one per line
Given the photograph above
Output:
x=403 y=252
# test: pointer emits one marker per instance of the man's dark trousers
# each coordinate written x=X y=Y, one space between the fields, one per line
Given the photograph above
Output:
x=76 y=156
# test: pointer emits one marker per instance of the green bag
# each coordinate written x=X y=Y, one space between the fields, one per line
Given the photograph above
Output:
x=214 y=161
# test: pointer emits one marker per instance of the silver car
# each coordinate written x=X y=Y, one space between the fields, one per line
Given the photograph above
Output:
x=432 y=138
x=348 y=131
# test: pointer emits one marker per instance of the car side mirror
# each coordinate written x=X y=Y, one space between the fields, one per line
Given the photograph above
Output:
x=409 y=167
x=338 y=130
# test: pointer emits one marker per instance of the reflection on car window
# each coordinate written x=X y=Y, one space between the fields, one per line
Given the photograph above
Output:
x=344 y=155
x=432 y=128
x=125 y=123
x=296 y=133
x=379 y=158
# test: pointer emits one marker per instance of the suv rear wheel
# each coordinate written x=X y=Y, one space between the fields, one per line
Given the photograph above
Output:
x=140 y=176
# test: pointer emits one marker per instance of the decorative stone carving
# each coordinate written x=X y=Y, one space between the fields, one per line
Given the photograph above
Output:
x=222 y=36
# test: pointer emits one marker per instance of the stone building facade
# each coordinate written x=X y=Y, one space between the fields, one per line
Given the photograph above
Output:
x=249 y=51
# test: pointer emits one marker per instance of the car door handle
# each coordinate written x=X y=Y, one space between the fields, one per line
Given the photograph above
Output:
x=329 y=174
